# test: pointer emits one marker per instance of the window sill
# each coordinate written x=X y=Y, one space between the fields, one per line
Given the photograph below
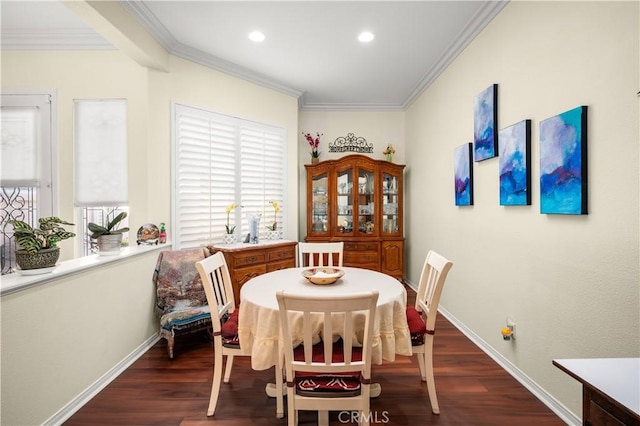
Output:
x=15 y=282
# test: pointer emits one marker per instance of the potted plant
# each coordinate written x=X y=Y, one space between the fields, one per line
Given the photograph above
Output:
x=39 y=245
x=273 y=229
x=108 y=236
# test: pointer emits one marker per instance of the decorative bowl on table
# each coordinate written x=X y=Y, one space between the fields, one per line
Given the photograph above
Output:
x=323 y=275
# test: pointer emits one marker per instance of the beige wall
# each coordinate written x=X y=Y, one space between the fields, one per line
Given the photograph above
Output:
x=60 y=338
x=571 y=283
x=88 y=75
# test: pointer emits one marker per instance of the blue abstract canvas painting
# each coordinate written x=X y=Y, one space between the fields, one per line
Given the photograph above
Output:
x=485 y=119
x=563 y=163
x=514 y=152
x=463 y=173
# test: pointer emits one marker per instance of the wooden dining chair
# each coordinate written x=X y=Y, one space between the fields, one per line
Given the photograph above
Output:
x=224 y=318
x=326 y=375
x=320 y=254
x=421 y=318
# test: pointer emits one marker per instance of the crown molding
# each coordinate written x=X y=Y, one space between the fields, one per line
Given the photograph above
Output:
x=147 y=19
x=484 y=15
x=67 y=39
x=89 y=40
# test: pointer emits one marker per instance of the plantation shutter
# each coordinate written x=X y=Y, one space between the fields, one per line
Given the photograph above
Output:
x=219 y=160
x=262 y=179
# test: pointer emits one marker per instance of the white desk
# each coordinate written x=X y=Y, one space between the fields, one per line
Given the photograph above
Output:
x=611 y=388
x=259 y=327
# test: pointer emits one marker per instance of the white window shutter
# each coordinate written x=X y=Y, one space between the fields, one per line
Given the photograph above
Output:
x=221 y=160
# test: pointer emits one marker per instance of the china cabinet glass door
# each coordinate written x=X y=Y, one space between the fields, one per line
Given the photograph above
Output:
x=320 y=206
x=390 y=198
x=345 y=202
x=366 y=203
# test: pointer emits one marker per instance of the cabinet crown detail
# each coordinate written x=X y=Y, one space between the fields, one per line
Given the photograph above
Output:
x=359 y=200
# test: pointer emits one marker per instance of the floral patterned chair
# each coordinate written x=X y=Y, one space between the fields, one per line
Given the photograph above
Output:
x=181 y=302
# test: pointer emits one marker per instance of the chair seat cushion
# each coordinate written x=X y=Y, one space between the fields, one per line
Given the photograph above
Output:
x=180 y=319
x=417 y=327
x=229 y=330
x=327 y=385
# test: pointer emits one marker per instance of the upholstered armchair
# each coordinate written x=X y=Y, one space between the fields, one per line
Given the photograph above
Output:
x=181 y=302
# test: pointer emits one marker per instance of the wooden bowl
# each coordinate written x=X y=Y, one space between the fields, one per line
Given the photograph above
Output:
x=323 y=275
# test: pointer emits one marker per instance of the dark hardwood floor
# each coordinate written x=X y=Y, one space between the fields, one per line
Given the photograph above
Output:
x=472 y=390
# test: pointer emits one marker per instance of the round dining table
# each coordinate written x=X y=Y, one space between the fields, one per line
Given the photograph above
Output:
x=259 y=326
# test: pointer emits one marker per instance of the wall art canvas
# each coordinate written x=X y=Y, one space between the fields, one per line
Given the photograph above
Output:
x=485 y=119
x=514 y=153
x=563 y=163
x=463 y=173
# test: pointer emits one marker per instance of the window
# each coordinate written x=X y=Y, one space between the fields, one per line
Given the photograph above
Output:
x=27 y=169
x=219 y=160
x=101 y=184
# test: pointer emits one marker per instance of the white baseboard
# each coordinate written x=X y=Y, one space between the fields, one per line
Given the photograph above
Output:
x=545 y=397
x=75 y=404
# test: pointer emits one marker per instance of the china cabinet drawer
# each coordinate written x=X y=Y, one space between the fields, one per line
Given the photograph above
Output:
x=364 y=246
x=361 y=257
x=371 y=266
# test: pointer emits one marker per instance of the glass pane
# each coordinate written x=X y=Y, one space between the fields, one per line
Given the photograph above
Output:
x=389 y=203
x=17 y=204
x=101 y=152
x=320 y=208
x=366 y=206
x=19 y=148
x=345 y=206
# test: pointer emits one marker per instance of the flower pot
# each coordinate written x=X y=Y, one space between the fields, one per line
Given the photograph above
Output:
x=315 y=160
x=45 y=258
x=109 y=244
x=273 y=235
x=228 y=238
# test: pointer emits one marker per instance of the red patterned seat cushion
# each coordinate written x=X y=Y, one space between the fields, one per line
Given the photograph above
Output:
x=340 y=384
x=417 y=327
x=229 y=330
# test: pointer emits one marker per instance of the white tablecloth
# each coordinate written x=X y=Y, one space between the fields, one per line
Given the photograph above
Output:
x=259 y=328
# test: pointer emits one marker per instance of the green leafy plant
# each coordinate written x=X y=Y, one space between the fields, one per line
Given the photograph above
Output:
x=108 y=229
x=45 y=236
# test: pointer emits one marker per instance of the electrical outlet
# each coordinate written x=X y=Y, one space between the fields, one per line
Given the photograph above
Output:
x=511 y=325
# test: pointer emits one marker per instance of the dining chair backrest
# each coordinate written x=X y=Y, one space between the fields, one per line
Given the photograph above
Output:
x=432 y=279
x=320 y=254
x=307 y=363
x=216 y=280
x=421 y=318
x=217 y=286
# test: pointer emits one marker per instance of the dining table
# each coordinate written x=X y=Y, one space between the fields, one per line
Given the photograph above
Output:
x=259 y=325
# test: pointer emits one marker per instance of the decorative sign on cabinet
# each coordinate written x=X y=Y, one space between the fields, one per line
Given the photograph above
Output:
x=359 y=200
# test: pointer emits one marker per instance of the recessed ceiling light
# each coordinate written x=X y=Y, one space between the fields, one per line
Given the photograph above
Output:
x=256 y=36
x=366 y=37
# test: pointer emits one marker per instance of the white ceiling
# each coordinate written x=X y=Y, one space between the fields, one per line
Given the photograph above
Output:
x=311 y=49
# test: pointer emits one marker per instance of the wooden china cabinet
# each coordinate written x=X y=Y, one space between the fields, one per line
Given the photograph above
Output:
x=359 y=200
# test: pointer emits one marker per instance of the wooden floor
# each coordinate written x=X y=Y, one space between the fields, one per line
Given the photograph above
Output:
x=472 y=390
